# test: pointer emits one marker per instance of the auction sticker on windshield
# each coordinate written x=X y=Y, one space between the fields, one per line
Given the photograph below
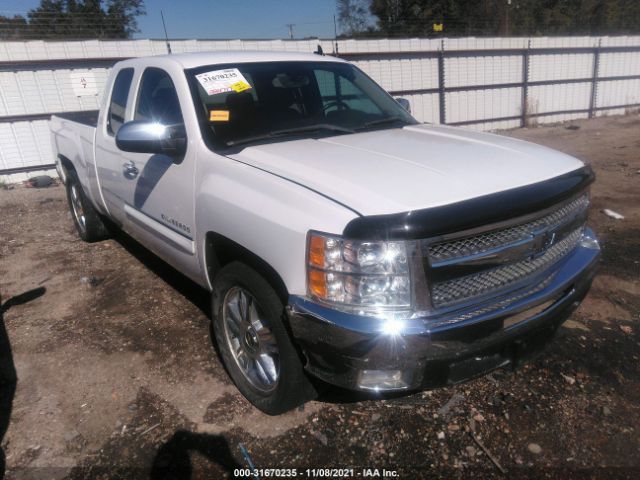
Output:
x=222 y=81
x=219 y=116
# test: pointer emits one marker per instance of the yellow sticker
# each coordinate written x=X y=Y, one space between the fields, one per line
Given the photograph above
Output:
x=240 y=86
x=219 y=116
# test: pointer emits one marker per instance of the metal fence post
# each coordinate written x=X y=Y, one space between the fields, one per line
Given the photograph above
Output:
x=525 y=85
x=594 y=79
x=441 y=85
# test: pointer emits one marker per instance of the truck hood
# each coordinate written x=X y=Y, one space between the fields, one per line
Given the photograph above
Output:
x=416 y=167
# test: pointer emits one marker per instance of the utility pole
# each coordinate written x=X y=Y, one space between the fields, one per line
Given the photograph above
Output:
x=335 y=36
x=506 y=19
x=290 y=27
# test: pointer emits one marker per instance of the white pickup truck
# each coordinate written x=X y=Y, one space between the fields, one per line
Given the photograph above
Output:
x=341 y=239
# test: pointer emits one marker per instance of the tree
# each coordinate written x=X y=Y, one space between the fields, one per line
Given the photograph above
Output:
x=12 y=28
x=123 y=13
x=507 y=17
x=62 y=19
x=353 y=16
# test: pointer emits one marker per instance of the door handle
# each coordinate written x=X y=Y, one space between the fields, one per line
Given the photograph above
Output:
x=129 y=170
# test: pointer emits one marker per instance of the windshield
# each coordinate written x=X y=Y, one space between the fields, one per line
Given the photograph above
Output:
x=252 y=102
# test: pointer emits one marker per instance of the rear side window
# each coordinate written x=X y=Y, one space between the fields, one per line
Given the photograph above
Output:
x=119 y=96
x=158 y=99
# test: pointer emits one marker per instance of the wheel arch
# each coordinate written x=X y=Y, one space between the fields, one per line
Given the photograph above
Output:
x=64 y=166
x=220 y=251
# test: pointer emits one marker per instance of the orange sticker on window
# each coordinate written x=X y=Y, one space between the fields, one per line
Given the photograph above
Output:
x=219 y=116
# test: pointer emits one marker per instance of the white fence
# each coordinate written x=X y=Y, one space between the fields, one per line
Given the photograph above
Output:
x=485 y=83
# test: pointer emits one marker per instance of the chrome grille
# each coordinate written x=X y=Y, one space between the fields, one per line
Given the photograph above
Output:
x=475 y=285
x=498 y=305
x=505 y=302
x=476 y=244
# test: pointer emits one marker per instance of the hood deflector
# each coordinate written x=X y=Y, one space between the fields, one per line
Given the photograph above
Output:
x=472 y=213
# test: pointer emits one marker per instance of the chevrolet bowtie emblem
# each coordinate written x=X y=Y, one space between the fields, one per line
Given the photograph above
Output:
x=541 y=243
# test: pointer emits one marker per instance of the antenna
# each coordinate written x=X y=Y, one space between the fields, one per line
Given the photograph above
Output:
x=165 y=33
x=290 y=27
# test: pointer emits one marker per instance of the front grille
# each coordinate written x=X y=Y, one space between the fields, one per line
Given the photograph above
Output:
x=505 y=302
x=453 y=249
x=468 y=287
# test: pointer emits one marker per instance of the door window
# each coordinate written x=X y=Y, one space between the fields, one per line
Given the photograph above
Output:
x=337 y=90
x=158 y=99
x=118 y=105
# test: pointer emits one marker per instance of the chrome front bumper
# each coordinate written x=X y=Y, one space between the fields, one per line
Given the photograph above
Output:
x=352 y=350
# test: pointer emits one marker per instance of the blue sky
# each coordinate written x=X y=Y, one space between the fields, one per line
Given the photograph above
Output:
x=224 y=18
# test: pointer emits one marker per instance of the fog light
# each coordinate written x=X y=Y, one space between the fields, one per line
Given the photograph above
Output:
x=381 y=380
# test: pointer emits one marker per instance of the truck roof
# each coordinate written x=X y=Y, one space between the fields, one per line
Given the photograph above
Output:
x=197 y=59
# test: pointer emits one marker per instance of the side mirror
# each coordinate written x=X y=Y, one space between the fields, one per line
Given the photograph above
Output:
x=149 y=137
x=404 y=103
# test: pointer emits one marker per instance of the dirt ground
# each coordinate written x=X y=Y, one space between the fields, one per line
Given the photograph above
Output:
x=117 y=376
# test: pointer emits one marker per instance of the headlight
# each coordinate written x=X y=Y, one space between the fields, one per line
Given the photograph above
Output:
x=357 y=273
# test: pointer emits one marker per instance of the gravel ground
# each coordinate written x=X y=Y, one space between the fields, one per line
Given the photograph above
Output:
x=117 y=376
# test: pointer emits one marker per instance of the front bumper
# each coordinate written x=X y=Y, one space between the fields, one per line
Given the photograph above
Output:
x=350 y=350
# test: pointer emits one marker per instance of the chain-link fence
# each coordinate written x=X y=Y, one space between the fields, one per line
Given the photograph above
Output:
x=488 y=83
x=508 y=87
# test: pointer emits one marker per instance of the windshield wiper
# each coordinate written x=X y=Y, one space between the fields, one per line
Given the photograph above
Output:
x=381 y=121
x=255 y=138
x=290 y=131
x=311 y=128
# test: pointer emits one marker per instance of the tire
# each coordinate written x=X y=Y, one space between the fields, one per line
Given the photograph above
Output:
x=268 y=370
x=88 y=222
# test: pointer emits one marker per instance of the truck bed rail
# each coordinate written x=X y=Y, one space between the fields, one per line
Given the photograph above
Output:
x=86 y=117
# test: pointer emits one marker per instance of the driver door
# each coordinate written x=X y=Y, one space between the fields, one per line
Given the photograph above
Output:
x=158 y=188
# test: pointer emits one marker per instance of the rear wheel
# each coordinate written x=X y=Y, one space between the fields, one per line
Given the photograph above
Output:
x=254 y=344
x=87 y=220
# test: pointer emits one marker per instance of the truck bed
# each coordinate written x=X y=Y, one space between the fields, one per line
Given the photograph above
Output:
x=88 y=117
x=72 y=138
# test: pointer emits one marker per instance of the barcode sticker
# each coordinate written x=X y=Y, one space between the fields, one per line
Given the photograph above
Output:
x=222 y=81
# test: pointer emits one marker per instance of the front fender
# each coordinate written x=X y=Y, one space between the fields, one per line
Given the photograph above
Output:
x=266 y=214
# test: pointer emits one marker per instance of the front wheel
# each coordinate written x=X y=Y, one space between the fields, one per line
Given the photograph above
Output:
x=253 y=342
